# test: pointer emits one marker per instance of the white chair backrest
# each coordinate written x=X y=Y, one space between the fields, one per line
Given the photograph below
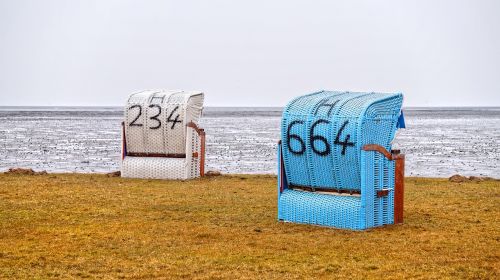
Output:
x=155 y=121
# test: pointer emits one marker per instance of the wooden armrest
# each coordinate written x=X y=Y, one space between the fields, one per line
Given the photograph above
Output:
x=201 y=133
x=399 y=177
x=198 y=130
x=378 y=148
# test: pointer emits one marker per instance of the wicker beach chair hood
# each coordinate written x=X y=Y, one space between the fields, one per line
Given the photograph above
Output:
x=160 y=135
x=323 y=136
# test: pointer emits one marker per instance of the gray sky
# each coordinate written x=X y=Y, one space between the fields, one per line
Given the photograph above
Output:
x=249 y=53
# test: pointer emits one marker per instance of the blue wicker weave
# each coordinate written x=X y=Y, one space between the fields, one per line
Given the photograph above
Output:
x=321 y=150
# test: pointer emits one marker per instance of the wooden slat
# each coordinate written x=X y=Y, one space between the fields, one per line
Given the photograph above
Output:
x=156 y=155
x=323 y=189
x=382 y=193
x=399 y=188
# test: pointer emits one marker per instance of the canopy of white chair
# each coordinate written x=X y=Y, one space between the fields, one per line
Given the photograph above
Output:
x=155 y=121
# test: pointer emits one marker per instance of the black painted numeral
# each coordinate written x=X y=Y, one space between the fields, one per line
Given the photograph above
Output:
x=155 y=117
x=346 y=142
x=296 y=137
x=173 y=121
x=324 y=103
x=133 y=123
x=313 y=138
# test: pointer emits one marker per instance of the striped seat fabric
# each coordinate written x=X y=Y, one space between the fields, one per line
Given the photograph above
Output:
x=325 y=175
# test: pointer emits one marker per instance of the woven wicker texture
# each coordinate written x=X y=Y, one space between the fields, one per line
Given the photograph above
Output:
x=322 y=138
x=155 y=124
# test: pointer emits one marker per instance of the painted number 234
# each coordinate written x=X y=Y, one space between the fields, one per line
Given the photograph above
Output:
x=155 y=117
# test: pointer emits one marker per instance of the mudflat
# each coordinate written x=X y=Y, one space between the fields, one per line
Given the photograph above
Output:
x=438 y=142
x=225 y=227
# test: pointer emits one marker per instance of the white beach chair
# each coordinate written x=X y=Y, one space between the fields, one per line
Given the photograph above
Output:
x=161 y=138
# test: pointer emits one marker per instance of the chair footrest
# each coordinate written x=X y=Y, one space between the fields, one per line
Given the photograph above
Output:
x=156 y=168
x=338 y=211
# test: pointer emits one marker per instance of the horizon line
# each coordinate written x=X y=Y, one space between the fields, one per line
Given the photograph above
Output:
x=218 y=106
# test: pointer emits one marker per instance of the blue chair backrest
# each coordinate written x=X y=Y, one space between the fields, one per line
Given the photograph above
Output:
x=323 y=134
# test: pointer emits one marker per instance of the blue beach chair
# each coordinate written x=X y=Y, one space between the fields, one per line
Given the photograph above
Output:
x=336 y=167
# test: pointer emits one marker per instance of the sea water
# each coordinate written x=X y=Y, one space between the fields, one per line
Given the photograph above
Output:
x=438 y=142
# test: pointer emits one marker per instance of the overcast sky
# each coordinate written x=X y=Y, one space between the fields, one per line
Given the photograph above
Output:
x=249 y=53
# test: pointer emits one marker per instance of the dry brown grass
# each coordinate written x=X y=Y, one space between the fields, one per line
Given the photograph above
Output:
x=61 y=226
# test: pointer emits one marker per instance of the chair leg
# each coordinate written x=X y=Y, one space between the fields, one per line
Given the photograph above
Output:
x=399 y=191
x=202 y=156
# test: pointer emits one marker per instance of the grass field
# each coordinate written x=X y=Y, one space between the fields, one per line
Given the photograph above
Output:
x=63 y=226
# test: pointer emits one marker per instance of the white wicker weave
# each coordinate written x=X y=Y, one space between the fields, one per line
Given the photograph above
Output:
x=161 y=139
